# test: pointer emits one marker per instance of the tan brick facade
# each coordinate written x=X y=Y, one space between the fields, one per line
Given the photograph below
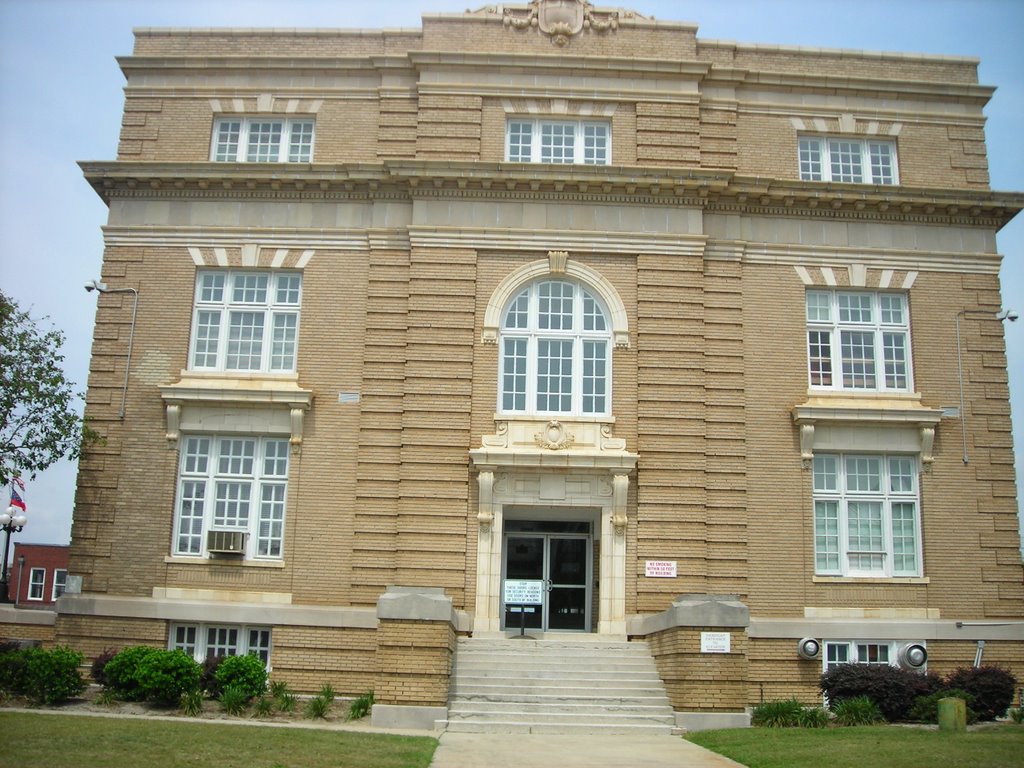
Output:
x=409 y=229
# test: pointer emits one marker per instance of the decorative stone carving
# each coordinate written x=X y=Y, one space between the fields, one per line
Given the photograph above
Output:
x=620 y=487
x=927 y=443
x=555 y=437
x=485 y=512
x=560 y=19
x=500 y=437
x=609 y=442
x=557 y=261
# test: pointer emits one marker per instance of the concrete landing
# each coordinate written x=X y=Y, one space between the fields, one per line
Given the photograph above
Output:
x=495 y=750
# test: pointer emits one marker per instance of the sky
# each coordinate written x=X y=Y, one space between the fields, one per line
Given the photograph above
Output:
x=61 y=97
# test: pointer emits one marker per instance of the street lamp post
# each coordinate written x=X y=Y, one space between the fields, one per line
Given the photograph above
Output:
x=11 y=521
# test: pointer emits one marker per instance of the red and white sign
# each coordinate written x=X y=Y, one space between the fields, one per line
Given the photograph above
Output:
x=660 y=569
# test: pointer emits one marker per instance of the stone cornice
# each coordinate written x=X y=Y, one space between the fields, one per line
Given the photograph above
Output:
x=786 y=81
x=714 y=191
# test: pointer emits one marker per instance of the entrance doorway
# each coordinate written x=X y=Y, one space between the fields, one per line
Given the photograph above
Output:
x=560 y=556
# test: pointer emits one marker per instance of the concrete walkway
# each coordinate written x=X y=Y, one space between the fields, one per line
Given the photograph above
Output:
x=516 y=750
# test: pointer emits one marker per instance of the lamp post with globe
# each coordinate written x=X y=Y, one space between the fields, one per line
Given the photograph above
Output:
x=12 y=520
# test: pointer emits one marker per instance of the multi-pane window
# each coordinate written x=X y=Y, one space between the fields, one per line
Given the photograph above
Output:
x=558 y=141
x=555 y=352
x=262 y=140
x=60 y=581
x=844 y=652
x=854 y=161
x=866 y=520
x=246 y=321
x=232 y=484
x=36 y=583
x=204 y=640
x=858 y=340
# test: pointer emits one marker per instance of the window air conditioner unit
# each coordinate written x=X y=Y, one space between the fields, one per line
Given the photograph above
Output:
x=226 y=542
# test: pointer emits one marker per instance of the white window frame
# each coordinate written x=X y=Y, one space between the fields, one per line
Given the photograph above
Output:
x=245 y=139
x=524 y=379
x=838 y=159
x=843 y=515
x=197 y=639
x=60 y=581
x=228 y=305
x=867 y=652
x=550 y=141
x=231 y=483
x=835 y=348
x=36 y=583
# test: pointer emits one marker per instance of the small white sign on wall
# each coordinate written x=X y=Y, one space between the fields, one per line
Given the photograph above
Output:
x=660 y=569
x=715 y=642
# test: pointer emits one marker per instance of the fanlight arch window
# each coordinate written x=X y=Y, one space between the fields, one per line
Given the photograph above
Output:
x=555 y=344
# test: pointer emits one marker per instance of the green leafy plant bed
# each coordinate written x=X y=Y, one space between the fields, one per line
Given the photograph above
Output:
x=100 y=742
x=886 y=746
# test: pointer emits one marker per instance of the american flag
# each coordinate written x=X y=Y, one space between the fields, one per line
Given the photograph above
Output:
x=18 y=482
x=16 y=500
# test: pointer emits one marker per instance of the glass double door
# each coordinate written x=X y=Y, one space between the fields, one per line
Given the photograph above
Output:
x=562 y=563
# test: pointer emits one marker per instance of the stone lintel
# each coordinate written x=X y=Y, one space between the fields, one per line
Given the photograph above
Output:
x=416 y=604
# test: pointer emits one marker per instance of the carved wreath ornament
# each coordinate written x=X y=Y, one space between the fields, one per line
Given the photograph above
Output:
x=554 y=437
x=561 y=19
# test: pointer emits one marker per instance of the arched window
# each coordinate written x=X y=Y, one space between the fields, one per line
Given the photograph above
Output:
x=555 y=352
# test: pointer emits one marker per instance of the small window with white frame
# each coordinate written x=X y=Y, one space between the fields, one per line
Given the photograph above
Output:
x=60 y=581
x=262 y=140
x=36 y=583
x=848 y=160
x=838 y=652
x=245 y=321
x=232 y=484
x=866 y=515
x=580 y=142
x=858 y=341
x=202 y=641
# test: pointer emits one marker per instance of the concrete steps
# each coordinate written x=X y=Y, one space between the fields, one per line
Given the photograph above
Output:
x=578 y=685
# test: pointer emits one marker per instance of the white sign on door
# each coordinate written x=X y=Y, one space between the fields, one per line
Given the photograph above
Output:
x=522 y=592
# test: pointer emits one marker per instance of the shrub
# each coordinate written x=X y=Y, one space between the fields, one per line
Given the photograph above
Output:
x=992 y=688
x=318 y=707
x=192 y=702
x=245 y=673
x=894 y=690
x=165 y=676
x=234 y=699
x=278 y=688
x=286 y=701
x=926 y=708
x=776 y=714
x=264 y=707
x=361 y=706
x=814 y=717
x=208 y=676
x=13 y=667
x=122 y=672
x=1016 y=714
x=99 y=666
x=52 y=677
x=327 y=692
x=859 y=710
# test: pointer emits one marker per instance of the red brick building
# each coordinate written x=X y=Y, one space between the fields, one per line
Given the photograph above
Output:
x=37 y=575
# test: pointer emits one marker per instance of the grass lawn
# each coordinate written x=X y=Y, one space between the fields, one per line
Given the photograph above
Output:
x=65 y=741
x=877 y=746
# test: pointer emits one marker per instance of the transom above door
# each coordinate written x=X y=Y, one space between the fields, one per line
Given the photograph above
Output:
x=558 y=555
